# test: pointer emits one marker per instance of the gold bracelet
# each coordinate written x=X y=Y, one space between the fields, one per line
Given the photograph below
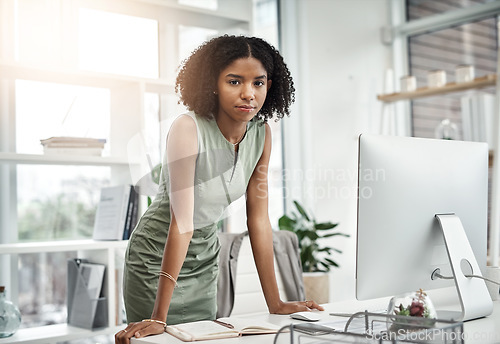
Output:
x=167 y=275
x=158 y=322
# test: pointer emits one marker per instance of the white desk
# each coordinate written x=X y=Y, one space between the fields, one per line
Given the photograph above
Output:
x=480 y=331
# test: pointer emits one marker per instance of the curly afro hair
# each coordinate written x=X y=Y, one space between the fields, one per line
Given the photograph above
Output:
x=197 y=78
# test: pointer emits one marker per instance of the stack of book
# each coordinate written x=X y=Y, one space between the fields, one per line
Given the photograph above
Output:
x=73 y=145
x=117 y=213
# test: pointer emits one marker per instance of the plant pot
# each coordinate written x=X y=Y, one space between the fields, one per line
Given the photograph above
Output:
x=317 y=286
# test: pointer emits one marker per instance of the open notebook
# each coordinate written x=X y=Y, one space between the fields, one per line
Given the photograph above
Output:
x=220 y=328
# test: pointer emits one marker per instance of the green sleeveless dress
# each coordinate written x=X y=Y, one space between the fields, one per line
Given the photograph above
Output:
x=221 y=177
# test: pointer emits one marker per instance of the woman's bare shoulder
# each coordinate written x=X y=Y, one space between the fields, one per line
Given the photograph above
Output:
x=182 y=138
x=185 y=123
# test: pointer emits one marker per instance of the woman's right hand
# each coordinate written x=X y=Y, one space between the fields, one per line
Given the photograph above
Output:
x=138 y=330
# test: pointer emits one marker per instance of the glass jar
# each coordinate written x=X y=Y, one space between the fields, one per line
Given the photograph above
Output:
x=10 y=317
x=410 y=312
x=446 y=130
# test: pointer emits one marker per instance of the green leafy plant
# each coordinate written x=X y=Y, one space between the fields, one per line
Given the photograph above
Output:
x=313 y=256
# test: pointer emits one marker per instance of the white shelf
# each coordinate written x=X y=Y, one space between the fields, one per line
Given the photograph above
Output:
x=55 y=333
x=60 y=246
x=15 y=70
x=61 y=159
x=481 y=82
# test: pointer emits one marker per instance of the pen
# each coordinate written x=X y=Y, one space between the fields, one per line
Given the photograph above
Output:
x=224 y=324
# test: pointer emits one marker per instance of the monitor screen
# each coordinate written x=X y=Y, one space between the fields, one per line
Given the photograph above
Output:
x=403 y=182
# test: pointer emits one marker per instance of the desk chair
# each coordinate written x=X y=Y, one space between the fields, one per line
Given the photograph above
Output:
x=239 y=290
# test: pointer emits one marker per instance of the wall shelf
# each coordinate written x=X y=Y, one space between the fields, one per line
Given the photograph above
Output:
x=60 y=246
x=481 y=82
x=80 y=77
x=62 y=159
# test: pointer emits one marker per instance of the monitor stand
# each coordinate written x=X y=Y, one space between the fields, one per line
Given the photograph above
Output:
x=473 y=294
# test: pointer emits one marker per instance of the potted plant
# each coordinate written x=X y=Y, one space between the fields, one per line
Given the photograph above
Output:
x=315 y=258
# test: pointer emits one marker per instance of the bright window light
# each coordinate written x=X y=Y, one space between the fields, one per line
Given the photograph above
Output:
x=191 y=37
x=58 y=202
x=117 y=44
x=45 y=109
x=207 y=4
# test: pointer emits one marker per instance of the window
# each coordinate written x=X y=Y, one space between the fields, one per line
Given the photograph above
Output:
x=58 y=202
x=117 y=43
x=45 y=109
x=47 y=304
x=43 y=45
x=190 y=37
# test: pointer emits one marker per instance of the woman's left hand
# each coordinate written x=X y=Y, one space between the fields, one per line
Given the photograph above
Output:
x=296 y=306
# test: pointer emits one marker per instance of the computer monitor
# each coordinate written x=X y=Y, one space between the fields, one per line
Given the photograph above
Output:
x=403 y=183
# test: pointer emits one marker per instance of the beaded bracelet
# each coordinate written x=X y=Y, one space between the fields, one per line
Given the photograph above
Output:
x=167 y=275
x=157 y=321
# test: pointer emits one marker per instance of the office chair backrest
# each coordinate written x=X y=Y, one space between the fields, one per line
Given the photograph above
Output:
x=246 y=295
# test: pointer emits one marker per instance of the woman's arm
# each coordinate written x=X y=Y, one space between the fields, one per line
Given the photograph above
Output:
x=260 y=232
x=182 y=149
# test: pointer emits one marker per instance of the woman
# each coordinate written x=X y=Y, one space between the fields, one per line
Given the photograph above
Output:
x=216 y=153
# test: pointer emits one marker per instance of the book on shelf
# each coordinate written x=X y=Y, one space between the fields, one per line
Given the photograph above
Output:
x=116 y=214
x=73 y=145
x=132 y=213
x=221 y=328
x=71 y=141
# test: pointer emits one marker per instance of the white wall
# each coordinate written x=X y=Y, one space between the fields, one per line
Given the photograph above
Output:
x=338 y=61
